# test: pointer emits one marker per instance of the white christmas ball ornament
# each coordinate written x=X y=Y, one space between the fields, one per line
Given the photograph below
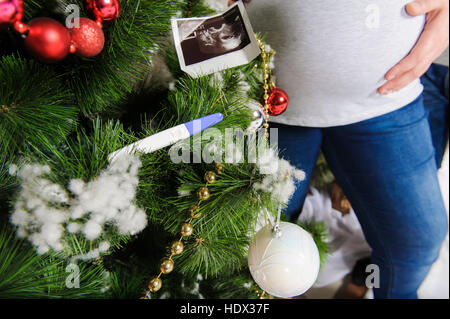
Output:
x=284 y=266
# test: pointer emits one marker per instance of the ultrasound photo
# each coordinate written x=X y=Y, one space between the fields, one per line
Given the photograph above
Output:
x=207 y=45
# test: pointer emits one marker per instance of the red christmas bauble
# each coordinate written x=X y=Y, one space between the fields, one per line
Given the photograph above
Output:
x=104 y=9
x=88 y=39
x=47 y=40
x=11 y=11
x=278 y=101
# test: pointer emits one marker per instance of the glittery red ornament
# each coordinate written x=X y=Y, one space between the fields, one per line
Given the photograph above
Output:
x=47 y=40
x=104 y=10
x=88 y=39
x=11 y=11
x=278 y=101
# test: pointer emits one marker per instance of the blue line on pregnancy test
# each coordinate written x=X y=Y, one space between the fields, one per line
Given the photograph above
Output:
x=198 y=125
x=170 y=136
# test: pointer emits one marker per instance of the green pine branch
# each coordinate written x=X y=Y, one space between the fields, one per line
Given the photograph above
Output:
x=81 y=156
x=319 y=232
x=33 y=104
x=24 y=274
x=102 y=84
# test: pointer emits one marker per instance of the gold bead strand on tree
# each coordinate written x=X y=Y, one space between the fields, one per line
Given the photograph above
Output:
x=267 y=74
x=177 y=247
x=275 y=100
x=6 y=109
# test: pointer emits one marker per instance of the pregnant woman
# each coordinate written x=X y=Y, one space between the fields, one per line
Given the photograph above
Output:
x=334 y=59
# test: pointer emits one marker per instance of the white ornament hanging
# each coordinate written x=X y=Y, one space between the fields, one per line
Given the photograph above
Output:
x=284 y=260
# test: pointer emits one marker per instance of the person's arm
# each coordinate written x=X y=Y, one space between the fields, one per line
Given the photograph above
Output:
x=431 y=44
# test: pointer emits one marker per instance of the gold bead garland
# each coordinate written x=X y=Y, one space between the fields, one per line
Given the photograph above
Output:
x=187 y=229
x=203 y=193
x=155 y=284
x=220 y=168
x=268 y=85
x=210 y=177
x=195 y=214
x=268 y=82
x=6 y=109
x=177 y=247
x=167 y=264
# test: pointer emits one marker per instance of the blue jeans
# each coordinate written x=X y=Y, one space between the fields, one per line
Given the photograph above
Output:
x=435 y=98
x=387 y=169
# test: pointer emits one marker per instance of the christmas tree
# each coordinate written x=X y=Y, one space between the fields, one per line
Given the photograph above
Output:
x=76 y=224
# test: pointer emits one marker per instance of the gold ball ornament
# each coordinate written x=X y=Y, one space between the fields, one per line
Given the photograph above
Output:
x=210 y=177
x=155 y=284
x=203 y=193
x=220 y=168
x=195 y=208
x=177 y=247
x=186 y=230
x=166 y=266
x=195 y=213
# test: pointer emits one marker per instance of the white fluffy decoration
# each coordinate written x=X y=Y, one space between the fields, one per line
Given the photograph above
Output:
x=285 y=266
x=243 y=85
x=44 y=211
x=280 y=176
x=217 y=79
x=183 y=193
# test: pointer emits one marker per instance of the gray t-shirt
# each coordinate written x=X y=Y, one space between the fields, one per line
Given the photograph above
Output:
x=332 y=56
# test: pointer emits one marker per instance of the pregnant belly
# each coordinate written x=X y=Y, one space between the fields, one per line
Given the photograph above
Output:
x=344 y=50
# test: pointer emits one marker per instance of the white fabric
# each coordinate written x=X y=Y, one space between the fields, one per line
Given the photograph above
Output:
x=333 y=56
x=346 y=239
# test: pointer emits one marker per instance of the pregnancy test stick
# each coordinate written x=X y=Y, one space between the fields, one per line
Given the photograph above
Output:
x=170 y=136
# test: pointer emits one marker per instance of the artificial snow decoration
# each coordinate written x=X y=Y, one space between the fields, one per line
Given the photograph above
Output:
x=73 y=228
x=217 y=80
x=12 y=169
x=272 y=57
x=284 y=266
x=183 y=193
x=280 y=177
x=244 y=86
x=45 y=212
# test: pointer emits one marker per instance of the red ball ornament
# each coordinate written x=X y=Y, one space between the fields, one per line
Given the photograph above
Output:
x=104 y=10
x=278 y=101
x=88 y=39
x=47 y=40
x=11 y=11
